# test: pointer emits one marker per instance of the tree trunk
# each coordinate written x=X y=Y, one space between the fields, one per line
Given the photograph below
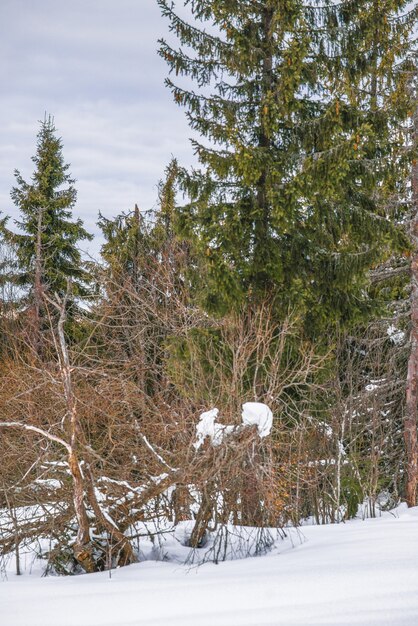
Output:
x=117 y=540
x=181 y=503
x=203 y=519
x=262 y=223
x=38 y=287
x=251 y=498
x=410 y=422
x=82 y=549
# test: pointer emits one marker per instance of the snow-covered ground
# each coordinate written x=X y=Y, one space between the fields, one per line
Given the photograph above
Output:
x=361 y=572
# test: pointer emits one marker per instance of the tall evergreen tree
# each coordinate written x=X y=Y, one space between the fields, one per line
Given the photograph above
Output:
x=46 y=244
x=301 y=104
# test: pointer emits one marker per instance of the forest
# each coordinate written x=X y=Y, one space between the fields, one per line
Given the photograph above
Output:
x=244 y=356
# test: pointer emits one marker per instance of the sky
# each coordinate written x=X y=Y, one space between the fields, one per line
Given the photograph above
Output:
x=93 y=65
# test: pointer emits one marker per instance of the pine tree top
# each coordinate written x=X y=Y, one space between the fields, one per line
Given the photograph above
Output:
x=45 y=205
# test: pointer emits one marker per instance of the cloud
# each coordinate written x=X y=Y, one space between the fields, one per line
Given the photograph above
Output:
x=93 y=65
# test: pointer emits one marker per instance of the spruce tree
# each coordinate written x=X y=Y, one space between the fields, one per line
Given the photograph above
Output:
x=301 y=106
x=146 y=283
x=139 y=242
x=45 y=245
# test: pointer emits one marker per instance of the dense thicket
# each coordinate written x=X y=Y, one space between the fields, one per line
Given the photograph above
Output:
x=275 y=274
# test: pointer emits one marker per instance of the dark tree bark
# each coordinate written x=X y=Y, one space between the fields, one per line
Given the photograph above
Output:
x=411 y=414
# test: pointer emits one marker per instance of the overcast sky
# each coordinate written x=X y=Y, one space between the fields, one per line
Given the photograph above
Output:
x=93 y=65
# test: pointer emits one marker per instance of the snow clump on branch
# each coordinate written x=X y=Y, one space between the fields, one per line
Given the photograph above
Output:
x=253 y=414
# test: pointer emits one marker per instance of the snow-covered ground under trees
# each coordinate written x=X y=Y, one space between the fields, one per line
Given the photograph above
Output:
x=361 y=572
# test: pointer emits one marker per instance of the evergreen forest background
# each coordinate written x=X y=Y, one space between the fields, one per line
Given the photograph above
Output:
x=282 y=270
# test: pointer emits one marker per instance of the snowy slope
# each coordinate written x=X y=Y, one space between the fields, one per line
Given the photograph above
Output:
x=361 y=572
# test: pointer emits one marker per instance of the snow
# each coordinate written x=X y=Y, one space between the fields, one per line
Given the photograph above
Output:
x=155 y=453
x=397 y=336
x=207 y=427
x=357 y=573
x=259 y=414
x=49 y=483
x=253 y=414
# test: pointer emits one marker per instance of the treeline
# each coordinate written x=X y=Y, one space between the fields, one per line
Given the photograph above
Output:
x=283 y=272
